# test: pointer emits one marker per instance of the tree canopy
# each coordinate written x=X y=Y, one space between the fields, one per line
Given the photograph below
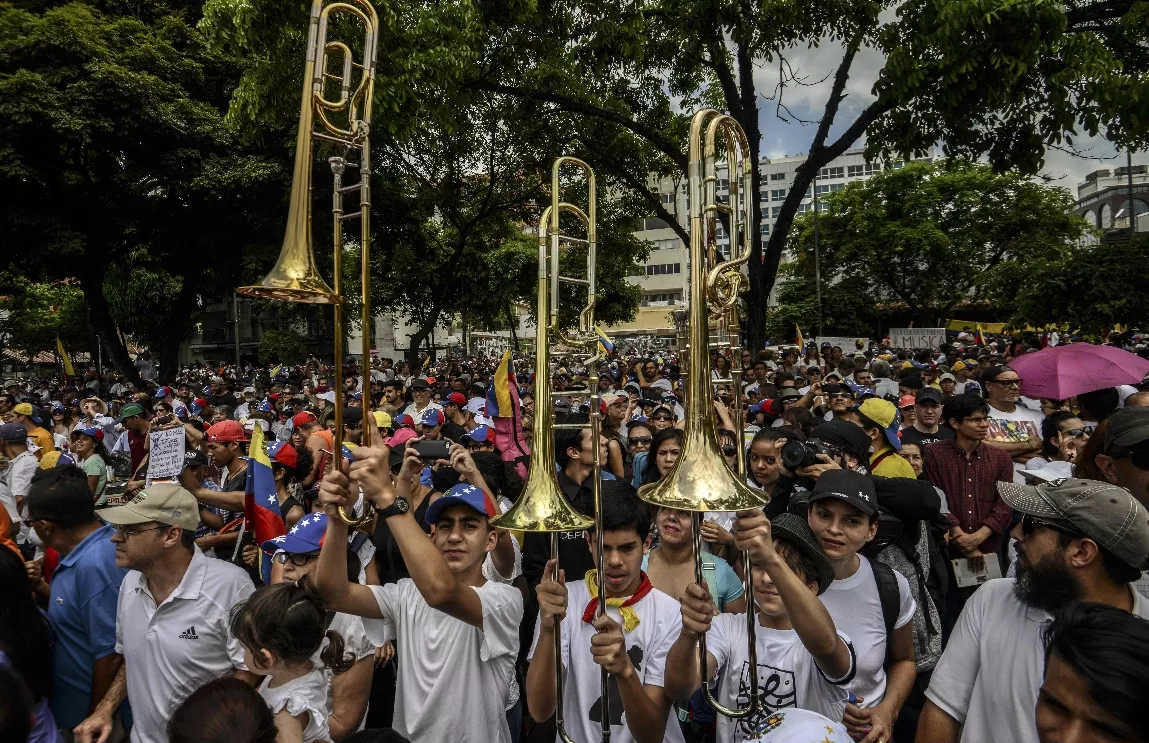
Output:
x=925 y=240
x=614 y=82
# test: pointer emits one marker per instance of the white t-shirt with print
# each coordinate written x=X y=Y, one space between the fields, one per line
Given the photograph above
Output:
x=854 y=606
x=788 y=677
x=1023 y=424
x=990 y=673
x=454 y=678
x=660 y=622
x=356 y=645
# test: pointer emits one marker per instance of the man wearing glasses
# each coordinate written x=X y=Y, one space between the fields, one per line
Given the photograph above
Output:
x=1013 y=428
x=172 y=617
x=967 y=469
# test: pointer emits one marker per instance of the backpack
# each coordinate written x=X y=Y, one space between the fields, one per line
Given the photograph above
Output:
x=926 y=621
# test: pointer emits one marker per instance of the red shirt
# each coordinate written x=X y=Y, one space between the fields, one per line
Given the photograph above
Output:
x=970 y=484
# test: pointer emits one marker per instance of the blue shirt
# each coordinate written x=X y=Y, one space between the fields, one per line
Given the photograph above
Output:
x=724 y=584
x=82 y=609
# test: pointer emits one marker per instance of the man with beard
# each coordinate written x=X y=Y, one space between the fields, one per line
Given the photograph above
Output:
x=986 y=684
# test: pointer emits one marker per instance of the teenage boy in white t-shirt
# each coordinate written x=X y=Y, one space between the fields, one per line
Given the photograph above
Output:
x=458 y=632
x=630 y=641
x=802 y=660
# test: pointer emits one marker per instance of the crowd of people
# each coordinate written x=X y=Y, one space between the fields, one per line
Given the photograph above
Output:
x=940 y=558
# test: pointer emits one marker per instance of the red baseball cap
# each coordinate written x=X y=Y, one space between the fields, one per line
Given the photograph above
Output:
x=456 y=398
x=226 y=431
x=283 y=453
x=302 y=419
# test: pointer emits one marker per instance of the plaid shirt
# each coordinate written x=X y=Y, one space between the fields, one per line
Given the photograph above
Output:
x=970 y=485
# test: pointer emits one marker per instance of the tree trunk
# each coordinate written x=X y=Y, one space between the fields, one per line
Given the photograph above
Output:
x=100 y=321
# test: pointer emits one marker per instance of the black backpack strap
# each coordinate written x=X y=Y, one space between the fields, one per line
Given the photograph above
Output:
x=888 y=595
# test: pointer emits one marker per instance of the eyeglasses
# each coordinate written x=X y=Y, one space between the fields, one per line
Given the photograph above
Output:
x=640 y=439
x=298 y=560
x=977 y=420
x=1030 y=522
x=127 y=531
x=1007 y=382
x=841 y=396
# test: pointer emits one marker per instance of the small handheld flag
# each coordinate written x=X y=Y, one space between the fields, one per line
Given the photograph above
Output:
x=801 y=342
x=261 y=512
x=605 y=345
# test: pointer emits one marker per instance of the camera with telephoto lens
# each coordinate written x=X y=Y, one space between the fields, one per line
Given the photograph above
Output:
x=796 y=454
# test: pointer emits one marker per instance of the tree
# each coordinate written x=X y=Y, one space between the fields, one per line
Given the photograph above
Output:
x=282 y=347
x=116 y=158
x=609 y=79
x=1088 y=289
x=933 y=237
x=38 y=314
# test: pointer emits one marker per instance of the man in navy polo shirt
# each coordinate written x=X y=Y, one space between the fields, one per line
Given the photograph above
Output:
x=84 y=591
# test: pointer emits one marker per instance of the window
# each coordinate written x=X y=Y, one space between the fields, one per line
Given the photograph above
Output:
x=662 y=298
x=660 y=269
x=837 y=186
x=778 y=176
x=832 y=173
x=1107 y=216
x=895 y=166
x=821 y=189
x=667 y=198
x=778 y=194
x=723 y=183
x=764 y=229
x=775 y=211
x=636 y=270
x=854 y=171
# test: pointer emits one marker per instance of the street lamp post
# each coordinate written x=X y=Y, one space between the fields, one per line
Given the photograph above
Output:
x=817 y=258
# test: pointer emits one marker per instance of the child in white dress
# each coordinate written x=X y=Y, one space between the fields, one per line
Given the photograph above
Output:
x=281 y=627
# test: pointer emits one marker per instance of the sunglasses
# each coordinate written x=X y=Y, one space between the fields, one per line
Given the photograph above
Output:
x=841 y=395
x=1007 y=382
x=661 y=418
x=641 y=439
x=1077 y=433
x=298 y=560
x=1139 y=458
x=1030 y=522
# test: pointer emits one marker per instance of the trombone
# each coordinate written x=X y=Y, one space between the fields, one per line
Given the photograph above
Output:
x=543 y=507
x=701 y=480
x=295 y=277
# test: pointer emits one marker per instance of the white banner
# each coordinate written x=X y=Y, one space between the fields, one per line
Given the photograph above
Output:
x=917 y=337
x=849 y=346
x=166 y=458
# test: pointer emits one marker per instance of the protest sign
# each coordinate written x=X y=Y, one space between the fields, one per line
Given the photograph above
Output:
x=848 y=345
x=917 y=337
x=166 y=459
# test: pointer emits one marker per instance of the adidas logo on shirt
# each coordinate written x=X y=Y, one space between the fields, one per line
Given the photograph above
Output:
x=189 y=634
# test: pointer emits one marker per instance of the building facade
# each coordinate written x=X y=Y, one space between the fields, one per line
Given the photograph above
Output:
x=663 y=278
x=1103 y=199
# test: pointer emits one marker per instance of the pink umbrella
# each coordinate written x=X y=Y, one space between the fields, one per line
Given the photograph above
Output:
x=1060 y=372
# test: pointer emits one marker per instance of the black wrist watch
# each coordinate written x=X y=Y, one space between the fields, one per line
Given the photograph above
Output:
x=398 y=508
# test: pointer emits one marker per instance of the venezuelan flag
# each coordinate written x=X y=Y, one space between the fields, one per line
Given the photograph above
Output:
x=800 y=341
x=261 y=513
x=68 y=370
x=503 y=408
x=980 y=335
x=605 y=345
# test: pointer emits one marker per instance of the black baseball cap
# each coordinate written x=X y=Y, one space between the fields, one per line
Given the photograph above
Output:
x=852 y=487
x=929 y=394
x=797 y=533
x=195 y=458
x=420 y=384
x=1128 y=428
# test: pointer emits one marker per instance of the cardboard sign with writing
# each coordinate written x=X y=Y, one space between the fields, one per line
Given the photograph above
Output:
x=166 y=459
x=849 y=346
x=917 y=337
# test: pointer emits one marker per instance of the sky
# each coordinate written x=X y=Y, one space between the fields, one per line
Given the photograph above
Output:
x=806 y=102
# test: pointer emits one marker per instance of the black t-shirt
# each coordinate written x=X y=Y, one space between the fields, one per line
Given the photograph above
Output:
x=912 y=435
x=226 y=398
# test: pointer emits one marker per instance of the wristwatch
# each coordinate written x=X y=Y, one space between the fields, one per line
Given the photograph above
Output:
x=398 y=508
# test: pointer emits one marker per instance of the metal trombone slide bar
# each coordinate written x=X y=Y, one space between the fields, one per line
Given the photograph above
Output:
x=701 y=480
x=543 y=507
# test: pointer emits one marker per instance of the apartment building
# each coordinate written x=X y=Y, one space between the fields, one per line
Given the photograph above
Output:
x=663 y=277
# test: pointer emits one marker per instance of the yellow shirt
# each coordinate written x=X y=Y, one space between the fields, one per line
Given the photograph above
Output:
x=42 y=439
x=892 y=465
